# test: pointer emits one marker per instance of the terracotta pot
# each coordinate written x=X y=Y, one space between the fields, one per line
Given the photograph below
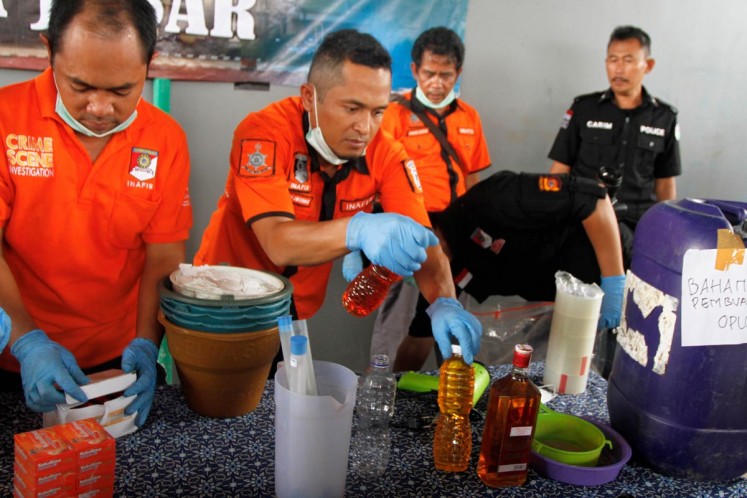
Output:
x=221 y=375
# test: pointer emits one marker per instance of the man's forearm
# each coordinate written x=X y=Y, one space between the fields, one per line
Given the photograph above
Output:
x=434 y=277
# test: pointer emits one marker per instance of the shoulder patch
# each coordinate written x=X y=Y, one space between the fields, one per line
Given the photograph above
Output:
x=567 y=119
x=257 y=158
x=550 y=183
x=412 y=176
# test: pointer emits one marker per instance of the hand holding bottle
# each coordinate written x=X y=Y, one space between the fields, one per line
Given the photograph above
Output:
x=390 y=240
x=450 y=319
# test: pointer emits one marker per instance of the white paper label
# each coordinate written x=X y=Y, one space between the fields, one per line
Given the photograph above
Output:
x=521 y=431
x=513 y=467
x=714 y=301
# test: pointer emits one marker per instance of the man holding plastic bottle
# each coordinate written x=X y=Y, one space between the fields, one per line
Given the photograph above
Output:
x=304 y=174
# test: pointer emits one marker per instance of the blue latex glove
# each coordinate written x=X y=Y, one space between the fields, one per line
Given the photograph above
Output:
x=4 y=329
x=140 y=356
x=450 y=319
x=352 y=265
x=612 y=302
x=45 y=363
x=391 y=240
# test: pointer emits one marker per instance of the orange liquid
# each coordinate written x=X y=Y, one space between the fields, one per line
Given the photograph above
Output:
x=452 y=441
x=367 y=290
x=509 y=428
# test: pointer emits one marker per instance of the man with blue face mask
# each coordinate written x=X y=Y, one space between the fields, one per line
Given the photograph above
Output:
x=304 y=175
x=444 y=136
x=94 y=207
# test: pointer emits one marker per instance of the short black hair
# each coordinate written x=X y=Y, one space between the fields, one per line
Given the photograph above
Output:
x=440 y=41
x=112 y=17
x=622 y=33
x=345 y=45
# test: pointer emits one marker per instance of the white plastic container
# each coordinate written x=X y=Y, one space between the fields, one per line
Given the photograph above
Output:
x=312 y=433
x=572 y=333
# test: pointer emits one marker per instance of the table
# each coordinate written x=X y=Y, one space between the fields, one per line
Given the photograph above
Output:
x=181 y=454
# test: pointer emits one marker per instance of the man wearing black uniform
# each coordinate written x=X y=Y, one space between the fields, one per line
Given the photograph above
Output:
x=623 y=131
x=511 y=232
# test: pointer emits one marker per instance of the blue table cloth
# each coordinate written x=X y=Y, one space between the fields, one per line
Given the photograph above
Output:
x=181 y=454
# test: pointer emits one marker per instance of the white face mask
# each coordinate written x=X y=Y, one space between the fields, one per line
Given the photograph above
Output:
x=316 y=139
x=420 y=95
x=76 y=125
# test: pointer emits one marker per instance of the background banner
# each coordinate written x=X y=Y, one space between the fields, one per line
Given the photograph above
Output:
x=258 y=41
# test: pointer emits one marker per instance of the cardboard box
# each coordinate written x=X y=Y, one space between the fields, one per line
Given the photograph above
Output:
x=90 y=441
x=109 y=413
x=43 y=452
x=72 y=459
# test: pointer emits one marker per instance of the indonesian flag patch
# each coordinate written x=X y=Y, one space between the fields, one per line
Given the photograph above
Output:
x=143 y=163
x=257 y=158
x=567 y=119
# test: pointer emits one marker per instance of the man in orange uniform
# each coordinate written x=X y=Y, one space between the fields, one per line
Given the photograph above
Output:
x=444 y=136
x=303 y=178
x=94 y=207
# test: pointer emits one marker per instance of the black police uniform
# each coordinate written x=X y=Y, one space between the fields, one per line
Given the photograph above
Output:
x=640 y=143
x=511 y=232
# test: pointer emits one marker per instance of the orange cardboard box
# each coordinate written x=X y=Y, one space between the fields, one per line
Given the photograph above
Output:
x=21 y=490
x=31 y=482
x=43 y=452
x=89 y=440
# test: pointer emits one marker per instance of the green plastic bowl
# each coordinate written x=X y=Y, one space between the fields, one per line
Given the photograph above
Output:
x=568 y=439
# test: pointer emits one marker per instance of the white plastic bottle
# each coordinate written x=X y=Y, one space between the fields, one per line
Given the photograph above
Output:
x=378 y=390
x=371 y=443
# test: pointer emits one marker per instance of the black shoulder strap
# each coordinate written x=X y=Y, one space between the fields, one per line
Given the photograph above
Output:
x=432 y=127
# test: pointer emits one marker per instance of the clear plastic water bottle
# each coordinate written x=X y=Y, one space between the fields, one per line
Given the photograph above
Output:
x=378 y=389
x=371 y=444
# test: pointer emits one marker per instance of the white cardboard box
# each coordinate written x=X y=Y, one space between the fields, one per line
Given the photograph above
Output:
x=110 y=414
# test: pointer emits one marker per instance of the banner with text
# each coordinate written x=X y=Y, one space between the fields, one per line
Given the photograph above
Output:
x=260 y=41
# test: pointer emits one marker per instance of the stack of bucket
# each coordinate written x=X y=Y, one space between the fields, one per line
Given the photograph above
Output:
x=223 y=346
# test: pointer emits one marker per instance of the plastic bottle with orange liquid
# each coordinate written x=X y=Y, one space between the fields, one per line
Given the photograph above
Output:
x=452 y=441
x=367 y=290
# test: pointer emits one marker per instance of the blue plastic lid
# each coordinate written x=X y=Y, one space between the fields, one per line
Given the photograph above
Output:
x=298 y=345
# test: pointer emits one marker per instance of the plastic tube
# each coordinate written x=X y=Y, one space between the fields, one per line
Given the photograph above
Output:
x=300 y=328
x=296 y=369
x=285 y=331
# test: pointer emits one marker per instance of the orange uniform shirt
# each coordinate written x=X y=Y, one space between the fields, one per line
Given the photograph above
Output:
x=464 y=133
x=75 y=231
x=273 y=172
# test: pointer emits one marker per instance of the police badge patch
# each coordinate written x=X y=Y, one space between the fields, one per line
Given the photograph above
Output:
x=567 y=119
x=301 y=168
x=143 y=163
x=257 y=158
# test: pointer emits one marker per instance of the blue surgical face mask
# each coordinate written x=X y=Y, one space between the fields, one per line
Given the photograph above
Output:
x=420 y=95
x=316 y=139
x=76 y=125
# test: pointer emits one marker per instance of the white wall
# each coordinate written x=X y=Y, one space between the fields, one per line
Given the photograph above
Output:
x=526 y=60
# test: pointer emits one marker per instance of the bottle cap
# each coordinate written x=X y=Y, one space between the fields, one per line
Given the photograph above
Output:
x=456 y=348
x=298 y=345
x=380 y=360
x=285 y=323
x=522 y=355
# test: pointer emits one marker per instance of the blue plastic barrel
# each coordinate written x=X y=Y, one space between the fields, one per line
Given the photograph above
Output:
x=684 y=414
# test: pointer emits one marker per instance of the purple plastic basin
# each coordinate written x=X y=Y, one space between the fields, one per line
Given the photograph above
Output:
x=610 y=462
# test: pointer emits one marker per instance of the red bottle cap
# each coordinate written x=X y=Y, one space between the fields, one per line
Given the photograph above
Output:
x=522 y=355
